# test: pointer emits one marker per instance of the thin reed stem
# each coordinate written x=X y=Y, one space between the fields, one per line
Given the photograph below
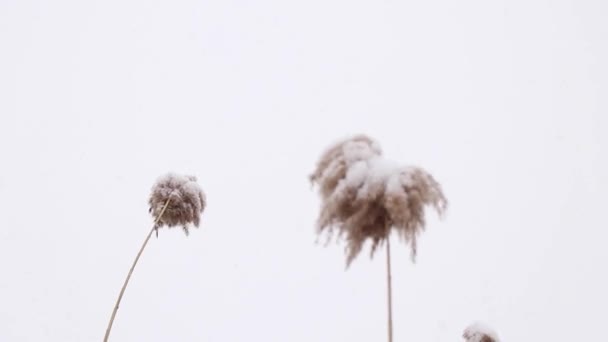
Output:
x=389 y=288
x=124 y=286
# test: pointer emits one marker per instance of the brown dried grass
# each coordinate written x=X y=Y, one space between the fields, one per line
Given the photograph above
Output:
x=365 y=196
x=175 y=200
x=186 y=201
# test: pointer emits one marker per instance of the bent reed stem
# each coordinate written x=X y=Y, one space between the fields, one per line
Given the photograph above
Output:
x=124 y=286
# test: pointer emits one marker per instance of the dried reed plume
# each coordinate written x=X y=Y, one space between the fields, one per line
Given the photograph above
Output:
x=479 y=332
x=364 y=196
x=175 y=200
x=187 y=201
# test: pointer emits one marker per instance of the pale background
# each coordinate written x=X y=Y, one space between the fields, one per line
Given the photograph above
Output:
x=503 y=101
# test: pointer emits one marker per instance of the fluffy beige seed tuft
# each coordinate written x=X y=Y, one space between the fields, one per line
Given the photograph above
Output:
x=186 y=201
x=365 y=196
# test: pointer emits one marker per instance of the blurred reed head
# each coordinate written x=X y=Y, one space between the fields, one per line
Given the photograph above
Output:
x=480 y=332
x=366 y=196
x=186 y=201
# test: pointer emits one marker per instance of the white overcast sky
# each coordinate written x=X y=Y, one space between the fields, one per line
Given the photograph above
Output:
x=504 y=102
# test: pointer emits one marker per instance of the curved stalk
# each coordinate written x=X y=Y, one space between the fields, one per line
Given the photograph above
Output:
x=124 y=286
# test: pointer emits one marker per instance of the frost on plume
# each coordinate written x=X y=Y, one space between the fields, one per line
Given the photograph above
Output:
x=186 y=201
x=364 y=196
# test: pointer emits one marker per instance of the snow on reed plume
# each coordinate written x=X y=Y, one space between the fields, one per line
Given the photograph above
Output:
x=364 y=195
x=480 y=332
x=186 y=201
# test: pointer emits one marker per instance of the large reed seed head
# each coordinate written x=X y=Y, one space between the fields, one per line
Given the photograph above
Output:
x=364 y=196
x=186 y=201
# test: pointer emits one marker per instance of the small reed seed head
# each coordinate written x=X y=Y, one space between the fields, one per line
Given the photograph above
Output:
x=187 y=201
x=480 y=332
